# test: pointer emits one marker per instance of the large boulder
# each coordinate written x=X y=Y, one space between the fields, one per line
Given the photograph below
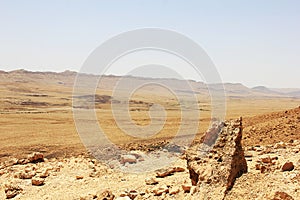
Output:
x=217 y=160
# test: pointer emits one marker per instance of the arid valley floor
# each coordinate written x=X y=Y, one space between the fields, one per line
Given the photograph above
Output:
x=36 y=116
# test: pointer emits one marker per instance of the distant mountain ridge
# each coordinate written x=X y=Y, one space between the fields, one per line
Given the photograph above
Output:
x=67 y=78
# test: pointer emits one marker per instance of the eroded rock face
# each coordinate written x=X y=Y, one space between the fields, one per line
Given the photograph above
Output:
x=218 y=161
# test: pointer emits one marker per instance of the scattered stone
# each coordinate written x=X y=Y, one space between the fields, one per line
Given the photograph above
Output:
x=158 y=191
x=128 y=159
x=11 y=162
x=44 y=174
x=79 y=177
x=132 y=194
x=174 y=148
x=263 y=169
x=194 y=190
x=23 y=161
x=36 y=157
x=282 y=196
x=37 y=181
x=107 y=195
x=161 y=173
x=174 y=190
x=151 y=181
x=280 y=145
x=11 y=190
x=266 y=160
x=288 y=166
x=186 y=188
x=24 y=175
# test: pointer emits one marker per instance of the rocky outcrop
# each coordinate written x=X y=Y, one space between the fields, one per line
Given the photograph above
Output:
x=218 y=160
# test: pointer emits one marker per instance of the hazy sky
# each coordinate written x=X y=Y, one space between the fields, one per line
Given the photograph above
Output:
x=253 y=42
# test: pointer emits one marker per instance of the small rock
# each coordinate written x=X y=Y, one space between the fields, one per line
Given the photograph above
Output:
x=124 y=194
x=288 y=166
x=108 y=195
x=151 y=181
x=158 y=191
x=257 y=166
x=136 y=154
x=79 y=177
x=263 y=169
x=266 y=160
x=37 y=181
x=161 y=173
x=133 y=194
x=186 y=188
x=280 y=145
x=282 y=196
x=174 y=190
x=11 y=162
x=36 y=157
x=193 y=189
x=12 y=190
x=128 y=159
x=29 y=175
x=44 y=174
x=23 y=161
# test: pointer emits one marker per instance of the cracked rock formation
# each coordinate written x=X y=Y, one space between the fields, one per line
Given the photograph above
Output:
x=218 y=160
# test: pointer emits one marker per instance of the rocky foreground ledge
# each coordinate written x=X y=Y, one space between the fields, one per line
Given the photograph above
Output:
x=215 y=168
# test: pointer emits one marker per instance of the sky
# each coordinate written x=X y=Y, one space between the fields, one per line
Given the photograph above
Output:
x=250 y=42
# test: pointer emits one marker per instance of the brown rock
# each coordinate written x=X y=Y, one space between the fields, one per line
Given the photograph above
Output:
x=37 y=181
x=257 y=166
x=288 y=166
x=266 y=160
x=11 y=190
x=11 y=162
x=218 y=161
x=108 y=195
x=29 y=175
x=263 y=169
x=282 y=196
x=186 y=188
x=23 y=161
x=151 y=181
x=161 y=173
x=45 y=174
x=36 y=157
x=132 y=194
x=174 y=190
x=158 y=191
x=79 y=177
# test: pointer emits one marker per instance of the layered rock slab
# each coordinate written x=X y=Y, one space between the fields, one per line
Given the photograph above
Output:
x=217 y=160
